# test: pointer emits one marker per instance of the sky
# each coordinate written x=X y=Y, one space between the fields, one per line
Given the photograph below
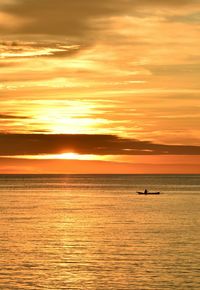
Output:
x=99 y=86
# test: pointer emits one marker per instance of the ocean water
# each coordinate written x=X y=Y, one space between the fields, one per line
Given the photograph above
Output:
x=93 y=232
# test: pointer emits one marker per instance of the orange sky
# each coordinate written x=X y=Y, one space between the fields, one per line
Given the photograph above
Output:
x=121 y=76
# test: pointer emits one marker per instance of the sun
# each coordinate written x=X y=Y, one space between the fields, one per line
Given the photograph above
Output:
x=69 y=156
x=76 y=156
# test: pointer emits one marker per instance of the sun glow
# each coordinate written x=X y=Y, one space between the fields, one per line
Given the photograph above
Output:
x=73 y=156
x=61 y=156
x=71 y=117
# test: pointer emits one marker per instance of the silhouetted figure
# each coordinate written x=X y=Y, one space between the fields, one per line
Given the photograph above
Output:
x=145 y=191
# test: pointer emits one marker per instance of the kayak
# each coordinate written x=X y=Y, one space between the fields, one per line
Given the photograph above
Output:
x=146 y=193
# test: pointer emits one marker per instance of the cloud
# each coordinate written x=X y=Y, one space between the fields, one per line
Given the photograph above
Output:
x=9 y=117
x=10 y=22
x=189 y=68
x=24 y=49
x=192 y=18
x=72 y=18
x=6 y=64
x=34 y=144
x=63 y=17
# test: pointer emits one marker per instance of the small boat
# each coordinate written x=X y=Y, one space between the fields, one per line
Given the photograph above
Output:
x=147 y=192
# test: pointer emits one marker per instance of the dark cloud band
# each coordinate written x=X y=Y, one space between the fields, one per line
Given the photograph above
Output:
x=73 y=18
x=35 y=144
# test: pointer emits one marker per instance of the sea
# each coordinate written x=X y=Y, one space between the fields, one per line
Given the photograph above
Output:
x=94 y=232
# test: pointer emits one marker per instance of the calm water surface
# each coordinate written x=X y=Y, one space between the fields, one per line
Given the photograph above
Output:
x=93 y=232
